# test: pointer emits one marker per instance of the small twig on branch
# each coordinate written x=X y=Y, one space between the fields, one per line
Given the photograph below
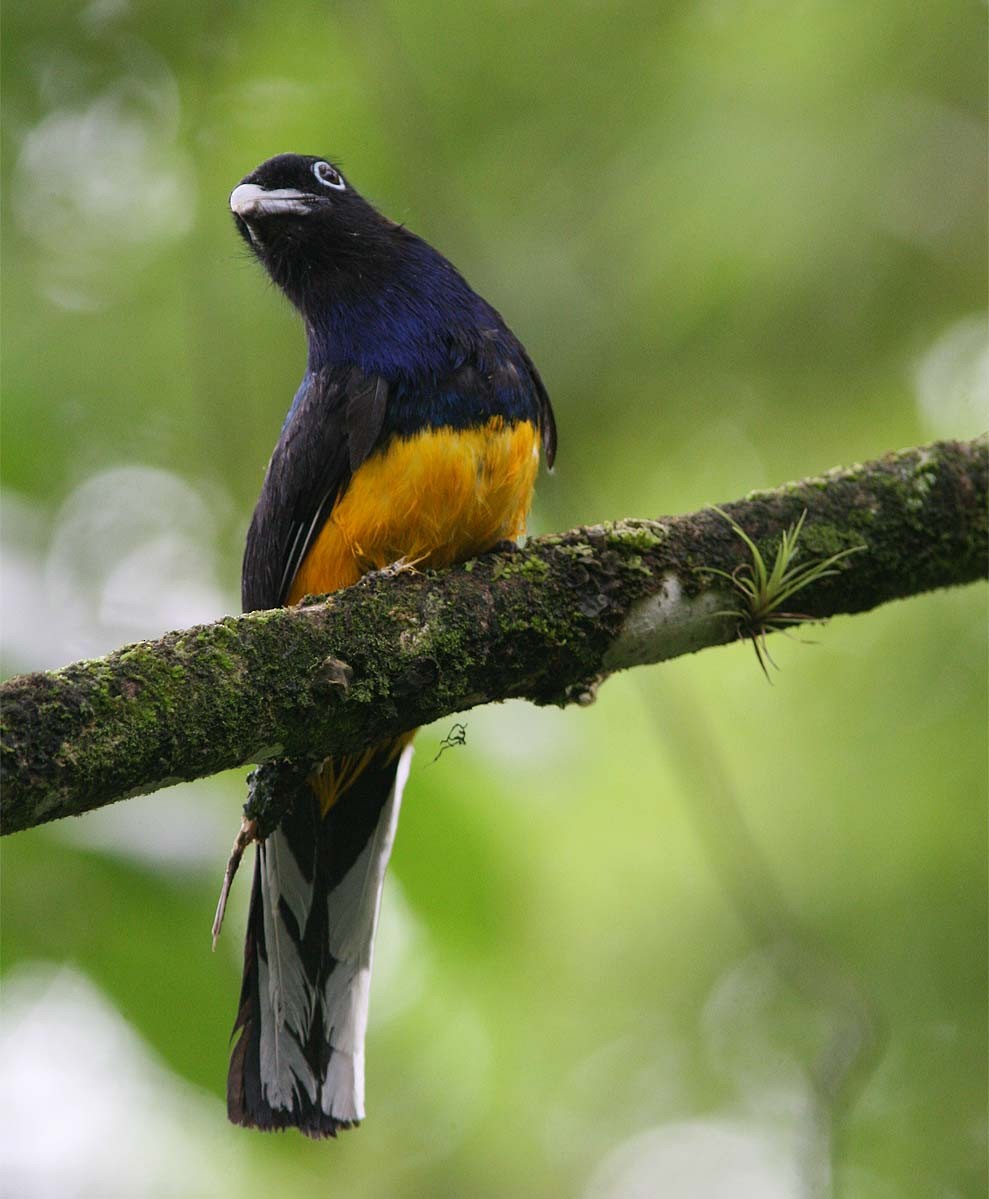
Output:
x=547 y=624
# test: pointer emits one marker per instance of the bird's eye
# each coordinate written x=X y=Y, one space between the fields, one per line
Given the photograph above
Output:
x=328 y=176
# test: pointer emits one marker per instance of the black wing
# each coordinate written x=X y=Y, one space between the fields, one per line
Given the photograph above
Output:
x=333 y=426
x=547 y=421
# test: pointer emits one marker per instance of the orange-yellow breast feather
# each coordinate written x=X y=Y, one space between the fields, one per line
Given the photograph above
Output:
x=438 y=497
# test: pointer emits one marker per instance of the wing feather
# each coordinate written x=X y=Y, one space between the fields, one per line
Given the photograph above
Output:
x=333 y=426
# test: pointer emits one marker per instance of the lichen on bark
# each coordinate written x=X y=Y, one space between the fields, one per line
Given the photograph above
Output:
x=545 y=623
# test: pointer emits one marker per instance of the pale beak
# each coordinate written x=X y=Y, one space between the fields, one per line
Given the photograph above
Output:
x=249 y=201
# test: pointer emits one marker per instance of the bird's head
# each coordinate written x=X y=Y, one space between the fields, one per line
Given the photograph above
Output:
x=369 y=290
x=310 y=228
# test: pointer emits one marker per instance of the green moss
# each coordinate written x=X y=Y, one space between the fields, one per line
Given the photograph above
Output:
x=533 y=568
x=636 y=537
x=823 y=539
x=578 y=552
x=638 y=564
x=527 y=567
x=919 y=483
x=138 y=655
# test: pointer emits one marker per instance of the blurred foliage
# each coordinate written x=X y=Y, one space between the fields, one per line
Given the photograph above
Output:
x=622 y=948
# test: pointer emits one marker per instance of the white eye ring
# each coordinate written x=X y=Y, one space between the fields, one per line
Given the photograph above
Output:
x=328 y=176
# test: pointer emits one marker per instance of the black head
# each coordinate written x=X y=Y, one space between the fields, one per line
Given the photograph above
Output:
x=309 y=227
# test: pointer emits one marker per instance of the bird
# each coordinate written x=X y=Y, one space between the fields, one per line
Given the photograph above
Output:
x=412 y=443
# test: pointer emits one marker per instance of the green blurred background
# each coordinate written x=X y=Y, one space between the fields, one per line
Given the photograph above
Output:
x=709 y=937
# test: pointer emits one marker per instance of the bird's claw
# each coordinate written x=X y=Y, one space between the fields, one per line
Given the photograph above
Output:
x=402 y=567
x=505 y=546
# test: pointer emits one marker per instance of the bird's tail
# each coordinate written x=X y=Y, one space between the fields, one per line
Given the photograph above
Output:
x=299 y=1059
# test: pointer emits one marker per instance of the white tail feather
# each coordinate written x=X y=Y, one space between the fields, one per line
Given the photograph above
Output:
x=343 y=1088
x=353 y=907
x=287 y=997
x=283 y=1064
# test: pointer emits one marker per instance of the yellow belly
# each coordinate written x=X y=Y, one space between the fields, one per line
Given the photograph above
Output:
x=439 y=497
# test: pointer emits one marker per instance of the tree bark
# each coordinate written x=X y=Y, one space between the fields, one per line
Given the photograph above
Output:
x=546 y=623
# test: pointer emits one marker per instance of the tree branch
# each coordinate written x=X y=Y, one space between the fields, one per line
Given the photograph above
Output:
x=546 y=623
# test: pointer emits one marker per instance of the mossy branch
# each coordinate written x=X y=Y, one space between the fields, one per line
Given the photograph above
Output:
x=546 y=624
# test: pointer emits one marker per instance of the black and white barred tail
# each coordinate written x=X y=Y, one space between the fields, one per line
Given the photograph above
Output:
x=299 y=1058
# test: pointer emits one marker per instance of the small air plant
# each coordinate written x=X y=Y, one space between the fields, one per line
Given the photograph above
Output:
x=762 y=591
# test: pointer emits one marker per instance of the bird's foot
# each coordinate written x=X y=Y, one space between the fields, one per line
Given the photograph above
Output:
x=403 y=566
x=505 y=546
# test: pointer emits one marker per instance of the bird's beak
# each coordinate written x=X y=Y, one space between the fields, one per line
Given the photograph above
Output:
x=248 y=201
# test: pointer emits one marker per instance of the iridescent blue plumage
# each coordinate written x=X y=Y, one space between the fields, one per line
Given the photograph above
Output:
x=447 y=355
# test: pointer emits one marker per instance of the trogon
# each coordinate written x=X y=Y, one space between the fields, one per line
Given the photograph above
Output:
x=414 y=438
